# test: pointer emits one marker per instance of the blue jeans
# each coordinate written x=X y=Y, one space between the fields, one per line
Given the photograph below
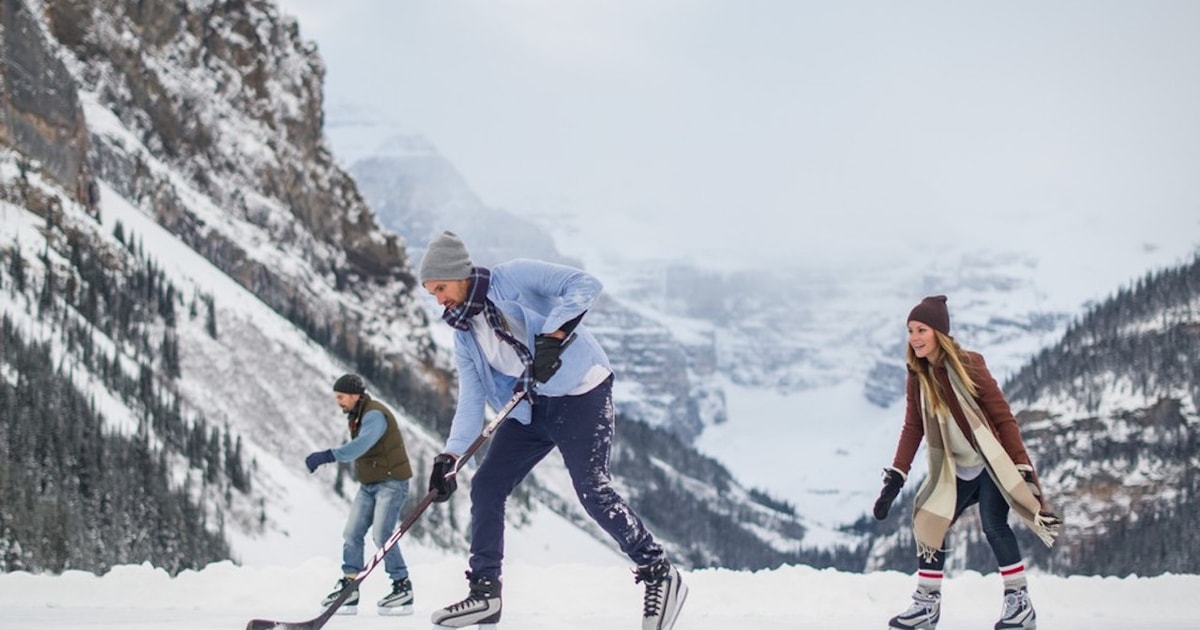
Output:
x=582 y=429
x=376 y=507
x=993 y=516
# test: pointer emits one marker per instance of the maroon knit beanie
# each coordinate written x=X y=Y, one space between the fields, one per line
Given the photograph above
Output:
x=932 y=312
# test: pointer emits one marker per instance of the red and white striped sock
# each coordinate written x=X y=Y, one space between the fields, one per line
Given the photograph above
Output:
x=1014 y=576
x=930 y=579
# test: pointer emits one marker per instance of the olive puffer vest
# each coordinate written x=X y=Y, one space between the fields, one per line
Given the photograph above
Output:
x=388 y=458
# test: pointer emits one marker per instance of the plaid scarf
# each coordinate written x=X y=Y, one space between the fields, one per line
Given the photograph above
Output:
x=933 y=511
x=477 y=300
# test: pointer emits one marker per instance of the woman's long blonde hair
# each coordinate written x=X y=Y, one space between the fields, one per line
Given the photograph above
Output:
x=957 y=357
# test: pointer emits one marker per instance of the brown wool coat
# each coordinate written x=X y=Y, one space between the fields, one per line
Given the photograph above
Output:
x=987 y=422
x=990 y=399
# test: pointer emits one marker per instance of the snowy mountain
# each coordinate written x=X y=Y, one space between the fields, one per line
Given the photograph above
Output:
x=813 y=373
x=170 y=253
x=1114 y=411
x=188 y=270
x=418 y=193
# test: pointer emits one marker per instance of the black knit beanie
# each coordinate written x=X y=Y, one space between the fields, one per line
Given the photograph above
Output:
x=932 y=312
x=350 y=384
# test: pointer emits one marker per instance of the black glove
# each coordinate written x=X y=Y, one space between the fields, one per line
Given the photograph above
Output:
x=1027 y=475
x=1035 y=487
x=439 y=482
x=1050 y=519
x=547 y=357
x=892 y=482
x=317 y=459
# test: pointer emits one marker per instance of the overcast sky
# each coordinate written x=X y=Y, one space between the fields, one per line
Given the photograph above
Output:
x=777 y=129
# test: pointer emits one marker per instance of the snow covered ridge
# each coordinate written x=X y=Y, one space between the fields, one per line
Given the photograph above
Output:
x=1114 y=412
x=210 y=115
x=163 y=356
x=238 y=176
x=105 y=453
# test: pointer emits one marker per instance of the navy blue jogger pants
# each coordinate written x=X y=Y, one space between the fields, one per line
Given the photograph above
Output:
x=582 y=429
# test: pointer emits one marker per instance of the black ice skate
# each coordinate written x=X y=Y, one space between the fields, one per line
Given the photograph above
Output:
x=480 y=608
x=399 y=601
x=665 y=593
x=350 y=606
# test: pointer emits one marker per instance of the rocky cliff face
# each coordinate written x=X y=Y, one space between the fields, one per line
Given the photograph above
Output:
x=40 y=111
x=1112 y=412
x=223 y=100
x=205 y=117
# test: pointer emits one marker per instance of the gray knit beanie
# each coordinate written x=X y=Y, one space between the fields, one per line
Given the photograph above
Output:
x=446 y=259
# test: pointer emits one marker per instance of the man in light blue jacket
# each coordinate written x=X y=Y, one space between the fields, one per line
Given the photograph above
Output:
x=517 y=329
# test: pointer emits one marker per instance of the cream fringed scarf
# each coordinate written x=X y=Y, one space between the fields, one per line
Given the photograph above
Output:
x=933 y=510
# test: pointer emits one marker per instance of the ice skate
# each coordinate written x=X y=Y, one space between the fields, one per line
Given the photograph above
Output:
x=1018 y=611
x=481 y=607
x=665 y=594
x=350 y=606
x=923 y=614
x=399 y=601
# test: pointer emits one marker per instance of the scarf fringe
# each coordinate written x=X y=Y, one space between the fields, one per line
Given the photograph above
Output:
x=1047 y=529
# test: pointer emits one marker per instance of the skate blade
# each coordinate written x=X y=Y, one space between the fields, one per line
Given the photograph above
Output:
x=347 y=610
x=480 y=626
x=396 y=611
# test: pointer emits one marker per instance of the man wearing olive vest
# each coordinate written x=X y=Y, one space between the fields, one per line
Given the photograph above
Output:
x=381 y=466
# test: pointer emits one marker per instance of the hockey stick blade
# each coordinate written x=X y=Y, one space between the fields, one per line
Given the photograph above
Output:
x=318 y=622
x=263 y=624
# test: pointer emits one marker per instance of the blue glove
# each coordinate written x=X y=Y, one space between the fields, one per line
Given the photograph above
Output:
x=319 y=458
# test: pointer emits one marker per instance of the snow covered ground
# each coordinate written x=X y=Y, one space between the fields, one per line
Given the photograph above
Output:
x=556 y=577
x=595 y=596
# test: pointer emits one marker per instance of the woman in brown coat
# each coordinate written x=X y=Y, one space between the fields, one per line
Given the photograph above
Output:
x=976 y=456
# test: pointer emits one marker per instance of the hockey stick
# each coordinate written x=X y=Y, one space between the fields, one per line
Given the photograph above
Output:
x=351 y=587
